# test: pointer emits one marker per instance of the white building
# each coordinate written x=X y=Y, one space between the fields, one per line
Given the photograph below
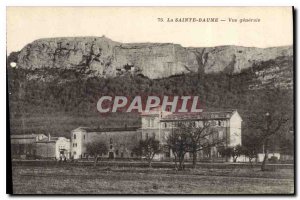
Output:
x=119 y=141
x=53 y=147
x=159 y=124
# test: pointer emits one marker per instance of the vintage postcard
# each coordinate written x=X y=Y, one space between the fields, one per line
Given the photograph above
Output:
x=150 y=100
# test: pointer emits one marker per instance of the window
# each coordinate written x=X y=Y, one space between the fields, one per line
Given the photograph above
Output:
x=74 y=152
x=147 y=135
x=84 y=137
x=122 y=155
x=131 y=154
x=153 y=135
x=152 y=122
x=117 y=152
x=165 y=125
x=167 y=154
x=148 y=122
x=110 y=141
x=110 y=147
x=221 y=135
x=74 y=136
x=220 y=123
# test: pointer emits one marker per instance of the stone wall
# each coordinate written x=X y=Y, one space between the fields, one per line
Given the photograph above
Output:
x=45 y=149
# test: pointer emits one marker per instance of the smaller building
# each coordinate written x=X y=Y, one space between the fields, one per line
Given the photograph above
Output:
x=34 y=146
x=23 y=146
x=119 y=141
x=53 y=147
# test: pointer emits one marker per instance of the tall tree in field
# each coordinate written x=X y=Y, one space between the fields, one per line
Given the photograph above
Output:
x=200 y=137
x=250 y=147
x=233 y=152
x=148 y=148
x=190 y=137
x=96 y=149
x=237 y=151
x=267 y=127
x=179 y=143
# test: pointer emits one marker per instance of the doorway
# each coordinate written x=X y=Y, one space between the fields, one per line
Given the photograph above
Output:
x=111 y=155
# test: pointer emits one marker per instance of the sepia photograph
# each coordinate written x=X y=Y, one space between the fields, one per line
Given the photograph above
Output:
x=150 y=100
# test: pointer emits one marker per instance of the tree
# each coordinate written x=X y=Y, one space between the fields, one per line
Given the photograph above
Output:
x=179 y=143
x=189 y=137
x=287 y=146
x=273 y=125
x=199 y=137
x=250 y=147
x=251 y=152
x=96 y=149
x=225 y=151
x=236 y=152
x=148 y=148
x=233 y=152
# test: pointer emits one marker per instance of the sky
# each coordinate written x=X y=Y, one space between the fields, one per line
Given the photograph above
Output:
x=141 y=24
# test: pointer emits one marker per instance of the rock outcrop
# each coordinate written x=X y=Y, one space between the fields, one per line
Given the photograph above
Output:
x=100 y=56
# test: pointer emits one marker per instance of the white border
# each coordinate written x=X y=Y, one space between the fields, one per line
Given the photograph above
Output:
x=5 y=3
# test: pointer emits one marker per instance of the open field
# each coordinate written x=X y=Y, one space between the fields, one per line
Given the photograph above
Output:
x=68 y=178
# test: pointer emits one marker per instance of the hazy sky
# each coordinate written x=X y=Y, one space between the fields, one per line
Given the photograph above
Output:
x=140 y=24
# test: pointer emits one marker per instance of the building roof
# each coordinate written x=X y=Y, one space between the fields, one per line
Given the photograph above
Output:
x=26 y=136
x=46 y=141
x=52 y=139
x=199 y=116
x=153 y=111
x=110 y=129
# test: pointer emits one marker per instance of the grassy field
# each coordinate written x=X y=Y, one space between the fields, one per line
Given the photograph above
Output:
x=75 y=179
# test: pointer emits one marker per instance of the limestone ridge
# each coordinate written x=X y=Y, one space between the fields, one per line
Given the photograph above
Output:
x=100 y=56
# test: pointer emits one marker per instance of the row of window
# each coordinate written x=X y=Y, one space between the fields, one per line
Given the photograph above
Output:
x=61 y=147
x=150 y=122
x=74 y=136
x=74 y=144
x=197 y=123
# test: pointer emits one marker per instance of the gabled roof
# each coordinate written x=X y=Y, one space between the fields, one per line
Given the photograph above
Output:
x=153 y=111
x=199 y=116
x=52 y=139
x=81 y=128
x=26 y=136
x=110 y=129
x=156 y=111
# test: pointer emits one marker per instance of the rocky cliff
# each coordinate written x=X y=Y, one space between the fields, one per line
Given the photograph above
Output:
x=100 y=56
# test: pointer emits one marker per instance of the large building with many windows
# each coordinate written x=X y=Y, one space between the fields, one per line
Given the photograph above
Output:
x=158 y=124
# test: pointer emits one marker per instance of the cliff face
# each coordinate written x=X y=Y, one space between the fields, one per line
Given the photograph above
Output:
x=100 y=56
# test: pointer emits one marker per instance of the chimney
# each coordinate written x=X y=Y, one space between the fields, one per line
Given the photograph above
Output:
x=49 y=137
